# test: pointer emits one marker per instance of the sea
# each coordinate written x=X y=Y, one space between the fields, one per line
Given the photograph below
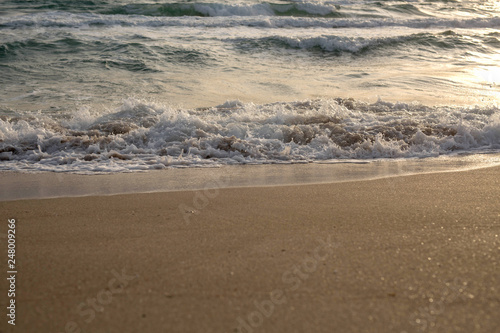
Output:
x=109 y=86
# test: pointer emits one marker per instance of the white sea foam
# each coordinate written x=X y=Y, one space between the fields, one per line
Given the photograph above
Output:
x=64 y=19
x=145 y=136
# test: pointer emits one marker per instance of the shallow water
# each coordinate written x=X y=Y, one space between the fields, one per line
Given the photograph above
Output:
x=208 y=181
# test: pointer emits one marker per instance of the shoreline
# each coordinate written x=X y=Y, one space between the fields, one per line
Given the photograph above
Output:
x=400 y=252
x=22 y=186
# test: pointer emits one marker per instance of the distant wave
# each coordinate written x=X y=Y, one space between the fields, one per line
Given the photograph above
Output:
x=358 y=45
x=143 y=136
x=207 y=9
x=219 y=9
x=138 y=54
x=315 y=8
x=64 y=19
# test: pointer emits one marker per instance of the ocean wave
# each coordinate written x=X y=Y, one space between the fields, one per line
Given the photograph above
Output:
x=134 y=56
x=70 y=20
x=338 y=8
x=340 y=44
x=220 y=9
x=144 y=136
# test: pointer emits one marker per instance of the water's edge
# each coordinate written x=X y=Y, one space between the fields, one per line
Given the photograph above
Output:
x=18 y=186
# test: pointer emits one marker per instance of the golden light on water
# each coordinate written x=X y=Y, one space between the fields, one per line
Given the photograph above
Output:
x=486 y=79
x=490 y=75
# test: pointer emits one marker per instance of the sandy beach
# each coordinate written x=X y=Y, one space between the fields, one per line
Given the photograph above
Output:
x=415 y=253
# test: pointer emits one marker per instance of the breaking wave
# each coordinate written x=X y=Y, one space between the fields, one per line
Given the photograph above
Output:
x=340 y=44
x=143 y=136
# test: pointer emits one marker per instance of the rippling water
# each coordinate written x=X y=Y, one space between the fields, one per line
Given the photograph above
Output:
x=116 y=85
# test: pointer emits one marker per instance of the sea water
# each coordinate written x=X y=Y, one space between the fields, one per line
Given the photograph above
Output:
x=103 y=86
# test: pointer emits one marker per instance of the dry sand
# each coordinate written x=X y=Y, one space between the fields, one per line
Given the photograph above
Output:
x=404 y=254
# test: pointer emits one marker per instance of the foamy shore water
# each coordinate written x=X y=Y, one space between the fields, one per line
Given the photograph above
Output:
x=18 y=186
x=144 y=136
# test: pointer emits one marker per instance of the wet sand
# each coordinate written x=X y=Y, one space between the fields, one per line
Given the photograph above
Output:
x=415 y=253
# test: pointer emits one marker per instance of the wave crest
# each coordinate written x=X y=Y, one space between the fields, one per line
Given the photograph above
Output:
x=64 y=19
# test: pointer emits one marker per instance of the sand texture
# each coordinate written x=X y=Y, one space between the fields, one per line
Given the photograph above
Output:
x=405 y=254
